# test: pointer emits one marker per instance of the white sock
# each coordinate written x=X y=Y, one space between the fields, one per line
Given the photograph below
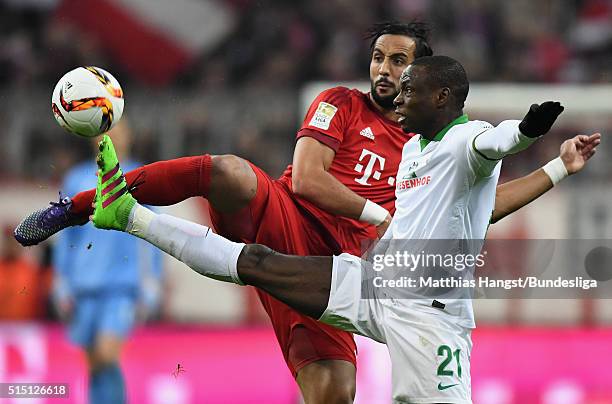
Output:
x=197 y=246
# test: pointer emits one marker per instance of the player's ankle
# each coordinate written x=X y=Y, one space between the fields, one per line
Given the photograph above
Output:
x=138 y=219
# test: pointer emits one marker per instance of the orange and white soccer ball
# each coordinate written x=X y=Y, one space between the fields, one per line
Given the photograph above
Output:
x=87 y=101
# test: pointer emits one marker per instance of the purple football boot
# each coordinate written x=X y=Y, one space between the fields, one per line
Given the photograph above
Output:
x=42 y=224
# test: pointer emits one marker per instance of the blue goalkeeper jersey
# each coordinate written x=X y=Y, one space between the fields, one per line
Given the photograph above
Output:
x=90 y=261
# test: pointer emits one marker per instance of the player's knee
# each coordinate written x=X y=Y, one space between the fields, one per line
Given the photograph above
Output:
x=233 y=176
x=98 y=361
x=104 y=353
x=338 y=394
x=331 y=389
x=327 y=381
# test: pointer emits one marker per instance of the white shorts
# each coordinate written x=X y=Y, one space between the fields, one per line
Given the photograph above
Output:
x=430 y=352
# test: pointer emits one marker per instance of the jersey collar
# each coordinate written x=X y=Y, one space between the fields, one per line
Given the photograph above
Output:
x=457 y=121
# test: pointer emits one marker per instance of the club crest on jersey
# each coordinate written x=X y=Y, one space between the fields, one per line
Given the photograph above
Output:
x=367 y=132
x=411 y=170
x=323 y=115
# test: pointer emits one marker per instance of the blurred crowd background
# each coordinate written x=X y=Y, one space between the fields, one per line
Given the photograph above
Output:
x=228 y=76
x=240 y=91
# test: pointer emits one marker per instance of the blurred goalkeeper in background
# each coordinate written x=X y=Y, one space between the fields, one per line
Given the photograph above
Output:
x=104 y=283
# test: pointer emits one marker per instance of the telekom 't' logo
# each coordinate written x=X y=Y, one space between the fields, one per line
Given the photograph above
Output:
x=369 y=170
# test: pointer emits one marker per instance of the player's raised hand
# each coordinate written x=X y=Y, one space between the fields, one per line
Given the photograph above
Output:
x=540 y=118
x=575 y=152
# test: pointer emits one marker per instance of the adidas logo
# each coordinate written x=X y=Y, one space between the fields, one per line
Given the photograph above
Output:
x=68 y=86
x=367 y=132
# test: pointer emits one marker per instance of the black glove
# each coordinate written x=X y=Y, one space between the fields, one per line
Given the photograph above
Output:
x=540 y=118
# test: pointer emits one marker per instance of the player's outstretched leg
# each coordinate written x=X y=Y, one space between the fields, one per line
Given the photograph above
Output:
x=228 y=182
x=301 y=282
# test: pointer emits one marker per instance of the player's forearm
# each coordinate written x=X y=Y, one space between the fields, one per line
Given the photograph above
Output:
x=501 y=141
x=61 y=290
x=325 y=191
x=513 y=195
x=62 y=251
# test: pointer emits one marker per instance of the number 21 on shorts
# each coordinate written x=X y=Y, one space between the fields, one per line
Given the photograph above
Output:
x=448 y=366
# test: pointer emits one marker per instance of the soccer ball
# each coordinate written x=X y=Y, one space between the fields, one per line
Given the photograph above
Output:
x=87 y=101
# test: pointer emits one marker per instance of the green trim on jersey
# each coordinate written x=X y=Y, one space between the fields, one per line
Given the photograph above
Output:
x=457 y=121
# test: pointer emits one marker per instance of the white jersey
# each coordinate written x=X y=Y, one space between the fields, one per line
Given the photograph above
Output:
x=445 y=188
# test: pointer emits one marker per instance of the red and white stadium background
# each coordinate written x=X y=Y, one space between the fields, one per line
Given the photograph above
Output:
x=244 y=365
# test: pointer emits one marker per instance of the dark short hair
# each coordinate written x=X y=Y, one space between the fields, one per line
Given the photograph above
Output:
x=444 y=71
x=416 y=30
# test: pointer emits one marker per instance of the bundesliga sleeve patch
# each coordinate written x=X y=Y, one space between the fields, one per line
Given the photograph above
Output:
x=323 y=115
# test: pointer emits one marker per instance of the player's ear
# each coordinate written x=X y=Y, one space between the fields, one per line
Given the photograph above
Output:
x=443 y=97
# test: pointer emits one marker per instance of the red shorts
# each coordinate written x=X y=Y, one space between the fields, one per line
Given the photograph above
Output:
x=275 y=218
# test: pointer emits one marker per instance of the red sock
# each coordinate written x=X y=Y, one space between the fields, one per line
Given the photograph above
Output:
x=159 y=184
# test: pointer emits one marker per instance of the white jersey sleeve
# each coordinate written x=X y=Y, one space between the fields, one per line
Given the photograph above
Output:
x=491 y=144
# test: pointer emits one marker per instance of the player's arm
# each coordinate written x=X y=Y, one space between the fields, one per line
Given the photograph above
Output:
x=150 y=268
x=320 y=136
x=62 y=262
x=313 y=182
x=494 y=143
x=65 y=242
x=574 y=154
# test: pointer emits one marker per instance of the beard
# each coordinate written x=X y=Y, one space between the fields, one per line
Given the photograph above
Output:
x=386 y=102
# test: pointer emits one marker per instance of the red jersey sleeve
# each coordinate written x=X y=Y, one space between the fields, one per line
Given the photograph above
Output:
x=328 y=117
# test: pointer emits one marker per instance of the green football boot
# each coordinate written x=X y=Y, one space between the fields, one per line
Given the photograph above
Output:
x=113 y=202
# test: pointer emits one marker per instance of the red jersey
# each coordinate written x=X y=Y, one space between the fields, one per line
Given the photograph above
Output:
x=368 y=145
x=368 y=150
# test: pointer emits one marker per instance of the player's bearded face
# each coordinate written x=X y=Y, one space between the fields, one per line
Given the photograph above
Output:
x=390 y=56
x=384 y=92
